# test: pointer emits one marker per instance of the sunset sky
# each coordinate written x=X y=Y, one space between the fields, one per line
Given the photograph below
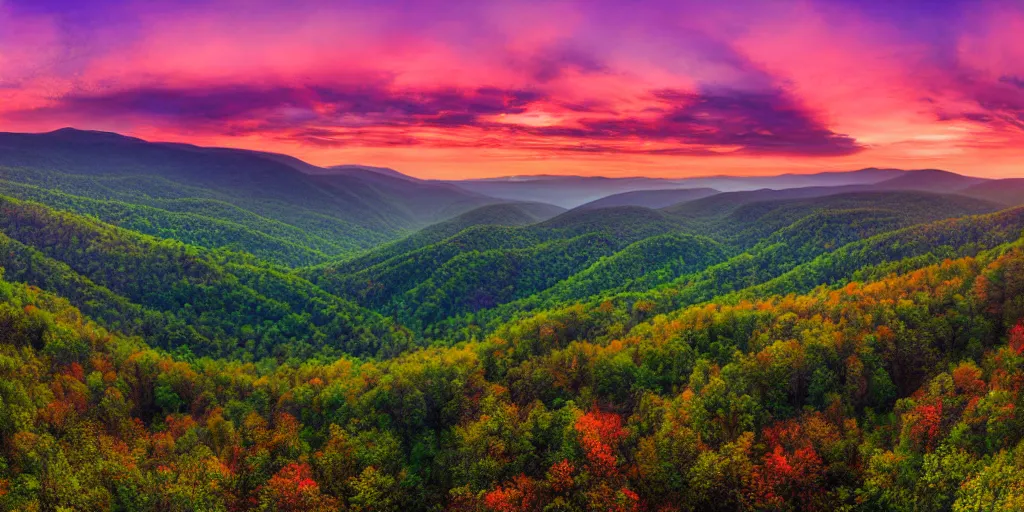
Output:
x=453 y=89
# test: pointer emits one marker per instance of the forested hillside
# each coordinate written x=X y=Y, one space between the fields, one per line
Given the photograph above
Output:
x=180 y=296
x=274 y=206
x=1008 y=191
x=490 y=272
x=650 y=198
x=897 y=393
x=270 y=336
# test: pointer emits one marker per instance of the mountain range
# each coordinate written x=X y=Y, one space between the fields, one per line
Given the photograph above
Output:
x=189 y=328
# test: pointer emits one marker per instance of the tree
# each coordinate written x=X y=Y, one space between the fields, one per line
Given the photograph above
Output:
x=292 y=489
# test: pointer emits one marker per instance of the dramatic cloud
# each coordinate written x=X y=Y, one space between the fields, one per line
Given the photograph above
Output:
x=756 y=123
x=1012 y=80
x=996 y=104
x=559 y=60
x=377 y=114
x=363 y=104
x=486 y=88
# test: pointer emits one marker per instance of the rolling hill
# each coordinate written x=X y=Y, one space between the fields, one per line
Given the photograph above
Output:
x=275 y=196
x=650 y=198
x=351 y=168
x=573 y=191
x=493 y=272
x=930 y=180
x=502 y=214
x=1006 y=191
x=180 y=296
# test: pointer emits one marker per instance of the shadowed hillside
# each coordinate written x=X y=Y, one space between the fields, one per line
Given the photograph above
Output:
x=274 y=195
x=1008 y=191
x=650 y=198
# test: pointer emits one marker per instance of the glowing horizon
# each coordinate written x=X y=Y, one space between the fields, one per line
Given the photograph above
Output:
x=483 y=89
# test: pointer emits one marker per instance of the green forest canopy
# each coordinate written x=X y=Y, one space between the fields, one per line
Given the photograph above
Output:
x=852 y=351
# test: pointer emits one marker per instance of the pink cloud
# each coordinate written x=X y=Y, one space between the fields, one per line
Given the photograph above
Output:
x=535 y=87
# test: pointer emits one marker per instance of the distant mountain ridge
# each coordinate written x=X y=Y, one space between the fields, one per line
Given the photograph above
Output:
x=351 y=210
x=932 y=180
x=361 y=206
x=1008 y=191
x=385 y=171
x=650 y=198
x=575 y=191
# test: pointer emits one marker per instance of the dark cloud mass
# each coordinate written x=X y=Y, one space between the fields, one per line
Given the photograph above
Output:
x=998 y=104
x=234 y=102
x=375 y=114
x=1012 y=80
x=555 y=62
x=758 y=123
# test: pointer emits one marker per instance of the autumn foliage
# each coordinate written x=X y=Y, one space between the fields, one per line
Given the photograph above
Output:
x=902 y=389
x=600 y=434
x=518 y=496
x=1017 y=338
x=292 y=489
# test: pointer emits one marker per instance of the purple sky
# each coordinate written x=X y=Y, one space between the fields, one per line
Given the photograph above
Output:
x=466 y=89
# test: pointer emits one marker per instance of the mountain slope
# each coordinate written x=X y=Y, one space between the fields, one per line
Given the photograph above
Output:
x=749 y=223
x=484 y=265
x=573 y=191
x=726 y=202
x=1006 y=191
x=502 y=214
x=196 y=222
x=359 y=208
x=744 y=218
x=215 y=303
x=487 y=274
x=815 y=233
x=601 y=318
x=930 y=180
x=421 y=202
x=564 y=191
x=348 y=168
x=838 y=398
x=650 y=198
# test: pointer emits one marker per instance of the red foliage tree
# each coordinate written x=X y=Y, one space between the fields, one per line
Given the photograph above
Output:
x=518 y=496
x=600 y=434
x=560 y=476
x=967 y=379
x=925 y=430
x=1017 y=338
x=787 y=478
x=75 y=370
x=293 y=489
